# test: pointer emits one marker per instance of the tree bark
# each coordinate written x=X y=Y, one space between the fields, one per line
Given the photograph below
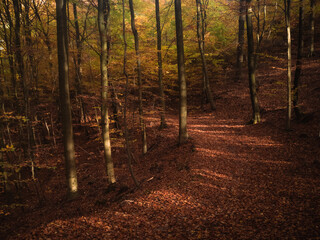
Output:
x=103 y=18
x=312 y=17
x=251 y=67
x=68 y=142
x=242 y=17
x=201 y=42
x=136 y=45
x=183 y=134
x=126 y=134
x=78 y=61
x=298 y=64
x=18 y=51
x=289 y=94
x=9 y=47
x=160 y=73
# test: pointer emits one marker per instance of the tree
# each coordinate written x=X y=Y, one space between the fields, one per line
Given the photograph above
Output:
x=126 y=134
x=136 y=46
x=289 y=94
x=201 y=31
x=183 y=134
x=242 y=17
x=8 y=38
x=18 y=50
x=312 y=17
x=251 y=67
x=103 y=18
x=65 y=104
x=161 y=92
x=298 y=64
x=77 y=62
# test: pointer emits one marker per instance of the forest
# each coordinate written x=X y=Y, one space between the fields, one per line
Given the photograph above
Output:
x=159 y=119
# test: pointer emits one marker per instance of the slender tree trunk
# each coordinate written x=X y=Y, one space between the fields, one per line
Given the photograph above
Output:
x=78 y=75
x=18 y=51
x=103 y=18
x=298 y=64
x=161 y=91
x=46 y=40
x=289 y=94
x=126 y=134
x=68 y=142
x=260 y=32
x=242 y=18
x=312 y=17
x=9 y=48
x=183 y=134
x=251 y=67
x=136 y=45
x=33 y=79
x=201 y=41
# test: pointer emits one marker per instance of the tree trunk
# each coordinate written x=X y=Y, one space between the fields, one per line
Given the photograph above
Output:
x=242 y=17
x=183 y=134
x=9 y=48
x=298 y=64
x=251 y=67
x=289 y=94
x=312 y=17
x=103 y=18
x=68 y=143
x=18 y=51
x=161 y=92
x=33 y=79
x=77 y=60
x=136 y=45
x=126 y=134
x=201 y=33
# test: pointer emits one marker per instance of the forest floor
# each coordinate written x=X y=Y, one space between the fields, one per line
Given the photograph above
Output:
x=230 y=181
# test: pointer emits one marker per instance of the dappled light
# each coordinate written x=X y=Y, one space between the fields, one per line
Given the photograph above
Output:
x=158 y=119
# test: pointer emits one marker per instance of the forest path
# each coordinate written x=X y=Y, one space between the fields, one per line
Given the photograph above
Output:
x=230 y=181
x=249 y=181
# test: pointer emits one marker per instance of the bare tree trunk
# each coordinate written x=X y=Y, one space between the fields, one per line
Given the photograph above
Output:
x=126 y=134
x=242 y=19
x=312 y=17
x=103 y=18
x=68 y=142
x=136 y=45
x=298 y=64
x=183 y=134
x=289 y=94
x=201 y=42
x=9 y=48
x=77 y=60
x=33 y=79
x=18 y=51
x=160 y=73
x=46 y=40
x=251 y=67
